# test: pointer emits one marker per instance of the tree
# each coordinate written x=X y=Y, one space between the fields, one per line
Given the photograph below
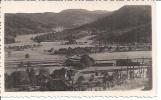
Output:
x=105 y=79
x=80 y=82
x=8 y=81
x=86 y=61
x=59 y=73
x=19 y=78
x=27 y=56
x=32 y=76
x=38 y=39
x=43 y=78
x=90 y=80
x=69 y=52
x=51 y=51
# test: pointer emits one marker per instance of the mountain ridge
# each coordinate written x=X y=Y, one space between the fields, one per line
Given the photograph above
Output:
x=132 y=21
x=27 y=23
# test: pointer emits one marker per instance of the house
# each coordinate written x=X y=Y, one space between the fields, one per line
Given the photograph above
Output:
x=74 y=61
x=80 y=61
x=71 y=41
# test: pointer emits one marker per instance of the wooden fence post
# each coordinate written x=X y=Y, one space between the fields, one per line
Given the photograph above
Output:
x=143 y=67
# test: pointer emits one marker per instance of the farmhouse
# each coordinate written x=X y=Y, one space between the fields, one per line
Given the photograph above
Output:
x=80 y=61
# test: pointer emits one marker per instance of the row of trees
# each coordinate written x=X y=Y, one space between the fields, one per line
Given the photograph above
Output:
x=71 y=51
x=23 y=80
x=85 y=50
x=42 y=38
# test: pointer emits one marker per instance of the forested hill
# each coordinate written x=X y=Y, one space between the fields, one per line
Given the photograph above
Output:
x=130 y=23
x=27 y=23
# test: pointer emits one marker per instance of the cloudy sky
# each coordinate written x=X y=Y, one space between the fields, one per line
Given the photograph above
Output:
x=57 y=6
x=38 y=7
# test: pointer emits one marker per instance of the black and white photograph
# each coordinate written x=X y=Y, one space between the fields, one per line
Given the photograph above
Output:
x=79 y=49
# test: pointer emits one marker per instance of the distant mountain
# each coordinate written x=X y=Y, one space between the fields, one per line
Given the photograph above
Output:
x=25 y=23
x=130 y=23
x=76 y=17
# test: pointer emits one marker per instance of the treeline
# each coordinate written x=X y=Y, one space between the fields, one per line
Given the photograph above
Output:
x=67 y=34
x=73 y=51
x=42 y=38
x=78 y=50
x=86 y=50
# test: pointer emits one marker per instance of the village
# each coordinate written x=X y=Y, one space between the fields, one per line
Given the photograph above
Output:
x=77 y=65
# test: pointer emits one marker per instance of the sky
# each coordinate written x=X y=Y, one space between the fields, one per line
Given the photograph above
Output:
x=40 y=7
